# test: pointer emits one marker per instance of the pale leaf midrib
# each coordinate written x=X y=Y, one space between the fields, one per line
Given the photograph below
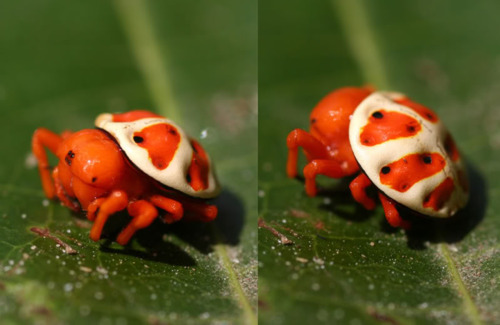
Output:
x=151 y=58
x=359 y=35
x=470 y=307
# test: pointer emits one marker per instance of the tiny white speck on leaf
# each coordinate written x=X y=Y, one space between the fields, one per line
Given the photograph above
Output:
x=84 y=310
x=301 y=260
x=68 y=287
x=30 y=161
x=101 y=270
x=318 y=260
x=423 y=305
x=85 y=269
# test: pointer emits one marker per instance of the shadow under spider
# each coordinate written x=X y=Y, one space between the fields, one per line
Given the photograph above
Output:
x=424 y=229
x=340 y=196
x=338 y=200
x=226 y=228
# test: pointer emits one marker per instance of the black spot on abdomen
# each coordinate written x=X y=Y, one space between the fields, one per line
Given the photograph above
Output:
x=69 y=156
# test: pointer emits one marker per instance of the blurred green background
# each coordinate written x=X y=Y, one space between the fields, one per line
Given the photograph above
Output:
x=346 y=265
x=61 y=64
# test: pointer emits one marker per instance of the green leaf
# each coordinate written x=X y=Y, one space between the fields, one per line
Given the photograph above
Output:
x=346 y=265
x=64 y=63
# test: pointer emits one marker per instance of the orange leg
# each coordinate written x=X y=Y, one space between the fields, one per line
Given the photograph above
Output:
x=391 y=213
x=43 y=138
x=92 y=208
x=330 y=168
x=61 y=193
x=313 y=147
x=173 y=208
x=143 y=214
x=199 y=168
x=66 y=134
x=201 y=211
x=115 y=202
x=358 y=190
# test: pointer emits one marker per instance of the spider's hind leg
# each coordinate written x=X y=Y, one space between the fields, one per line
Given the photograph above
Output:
x=358 y=188
x=172 y=207
x=391 y=213
x=199 y=210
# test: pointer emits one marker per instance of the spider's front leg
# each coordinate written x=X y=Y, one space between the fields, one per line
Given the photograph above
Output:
x=116 y=201
x=43 y=138
x=312 y=146
x=330 y=168
x=143 y=214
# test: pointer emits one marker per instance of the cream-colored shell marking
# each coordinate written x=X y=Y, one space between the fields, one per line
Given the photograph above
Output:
x=430 y=139
x=174 y=175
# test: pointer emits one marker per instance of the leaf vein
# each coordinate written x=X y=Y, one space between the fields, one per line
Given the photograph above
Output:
x=469 y=306
x=362 y=41
x=150 y=57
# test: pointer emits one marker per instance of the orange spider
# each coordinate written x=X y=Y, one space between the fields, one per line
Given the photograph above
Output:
x=137 y=161
x=391 y=142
